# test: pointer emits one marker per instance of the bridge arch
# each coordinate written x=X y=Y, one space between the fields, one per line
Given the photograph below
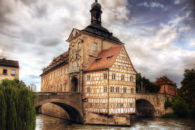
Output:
x=144 y=108
x=74 y=113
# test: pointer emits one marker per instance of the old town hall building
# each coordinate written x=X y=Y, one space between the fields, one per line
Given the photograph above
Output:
x=96 y=65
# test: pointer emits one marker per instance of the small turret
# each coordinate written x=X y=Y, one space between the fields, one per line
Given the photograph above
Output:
x=96 y=13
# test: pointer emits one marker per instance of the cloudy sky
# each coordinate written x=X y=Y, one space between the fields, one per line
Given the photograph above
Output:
x=159 y=35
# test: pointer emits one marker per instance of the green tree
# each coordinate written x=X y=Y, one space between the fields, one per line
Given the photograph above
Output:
x=17 y=106
x=3 y=109
x=146 y=85
x=187 y=91
x=179 y=106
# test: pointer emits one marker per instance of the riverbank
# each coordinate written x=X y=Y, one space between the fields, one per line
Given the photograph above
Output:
x=50 y=123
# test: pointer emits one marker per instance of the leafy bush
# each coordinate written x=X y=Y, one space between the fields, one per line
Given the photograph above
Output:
x=17 y=110
x=149 y=87
x=179 y=106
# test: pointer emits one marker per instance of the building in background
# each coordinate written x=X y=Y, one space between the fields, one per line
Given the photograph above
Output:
x=98 y=66
x=167 y=86
x=9 y=69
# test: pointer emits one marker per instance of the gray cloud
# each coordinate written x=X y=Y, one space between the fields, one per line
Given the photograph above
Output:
x=34 y=32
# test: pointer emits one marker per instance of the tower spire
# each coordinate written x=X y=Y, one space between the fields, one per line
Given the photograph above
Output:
x=96 y=13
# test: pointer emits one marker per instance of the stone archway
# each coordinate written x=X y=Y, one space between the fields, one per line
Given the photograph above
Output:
x=144 y=108
x=73 y=113
x=74 y=84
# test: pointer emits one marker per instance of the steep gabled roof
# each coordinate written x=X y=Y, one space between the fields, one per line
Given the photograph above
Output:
x=105 y=59
x=9 y=63
x=62 y=59
x=164 y=81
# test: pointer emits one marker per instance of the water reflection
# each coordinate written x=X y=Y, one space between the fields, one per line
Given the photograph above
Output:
x=50 y=123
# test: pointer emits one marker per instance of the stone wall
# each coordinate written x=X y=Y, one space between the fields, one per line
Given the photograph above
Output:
x=100 y=119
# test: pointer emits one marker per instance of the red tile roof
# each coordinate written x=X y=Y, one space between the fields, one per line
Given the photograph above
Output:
x=163 y=81
x=105 y=59
x=62 y=59
x=9 y=63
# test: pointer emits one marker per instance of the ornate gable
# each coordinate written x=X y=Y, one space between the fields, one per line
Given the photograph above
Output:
x=75 y=32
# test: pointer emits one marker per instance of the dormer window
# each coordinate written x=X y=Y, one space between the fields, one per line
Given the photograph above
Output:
x=94 y=47
x=97 y=60
x=109 y=57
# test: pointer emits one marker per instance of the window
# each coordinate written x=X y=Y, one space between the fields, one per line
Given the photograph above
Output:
x=132 y=90
x=105 y=89
x=113 y=76
x=94 y=47
x=109 y=57
x=122 y=77
x=98 y=59
x=4 y=71
x=78 y=62
x=96 y=105
x=88 y=90
x=65 y=87
x=79 y=46
x=90 y=105
x=124 y=90
x=60 y=87
x=121 y=105
x=13 y=73
x=112 y=106
x=117 y=89
x=131 y=78
x=112 y=89
x=118 y=105
x=88 y=77
x=131 y=105
x=105 y=76
x=103 y=105
x=72 y=64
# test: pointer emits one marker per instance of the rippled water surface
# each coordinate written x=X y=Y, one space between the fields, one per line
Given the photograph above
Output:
x=50 y=123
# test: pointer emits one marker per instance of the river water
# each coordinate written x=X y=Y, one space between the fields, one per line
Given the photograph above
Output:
x=49 y=123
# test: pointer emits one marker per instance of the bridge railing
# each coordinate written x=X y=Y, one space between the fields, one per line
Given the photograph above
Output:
x=57 y=93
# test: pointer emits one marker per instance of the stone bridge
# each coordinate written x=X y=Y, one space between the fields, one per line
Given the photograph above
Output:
x=150 y=104
x=71 y=102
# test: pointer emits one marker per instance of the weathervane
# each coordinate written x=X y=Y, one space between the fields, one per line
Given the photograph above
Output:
x=96 y=1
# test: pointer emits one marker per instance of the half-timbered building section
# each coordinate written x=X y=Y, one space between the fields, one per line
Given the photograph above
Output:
x=111 y=90
x=96 y=88
x=55 y=76
x=122 y=85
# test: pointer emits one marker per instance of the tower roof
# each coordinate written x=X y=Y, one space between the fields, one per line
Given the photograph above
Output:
x=96 y=5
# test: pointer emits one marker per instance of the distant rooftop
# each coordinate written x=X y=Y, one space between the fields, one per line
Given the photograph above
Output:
x=9 y=63
x=163 y=81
